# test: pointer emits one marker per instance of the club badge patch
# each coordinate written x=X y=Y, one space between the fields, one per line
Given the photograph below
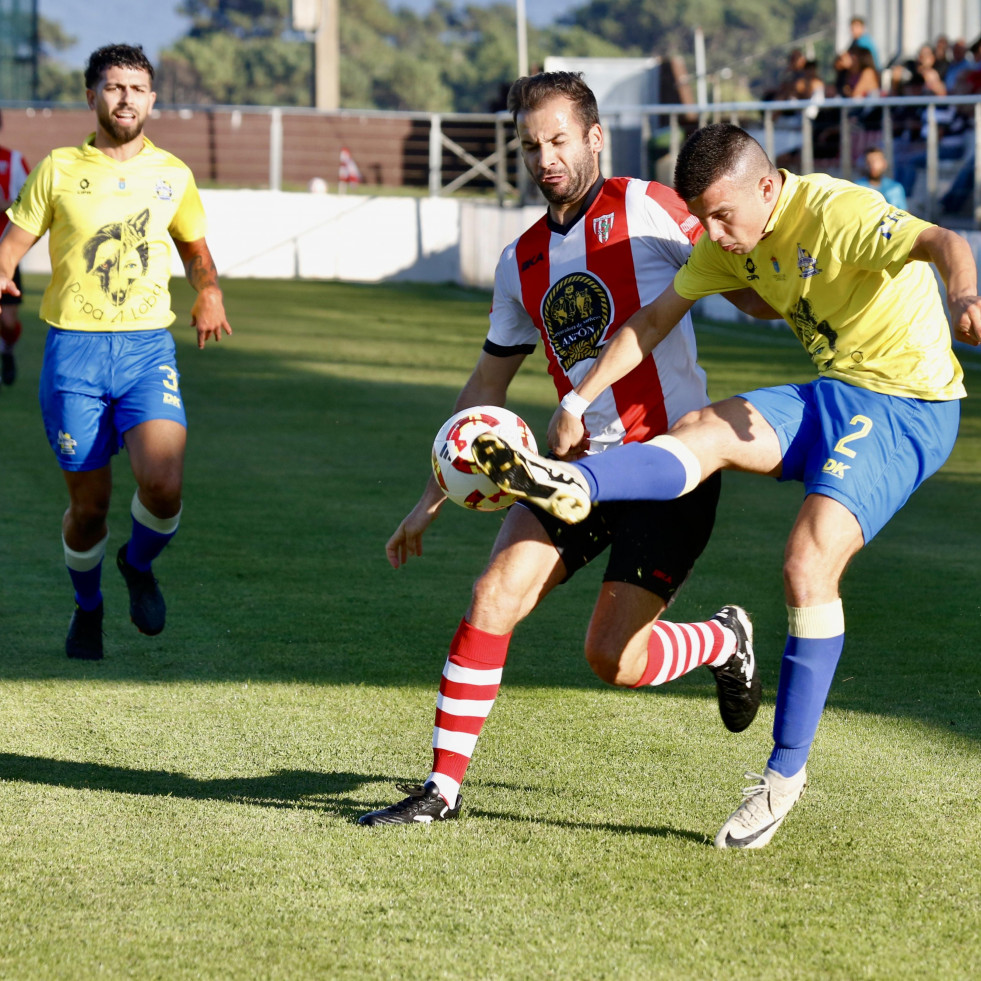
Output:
x=602 y=226
x=576 y=312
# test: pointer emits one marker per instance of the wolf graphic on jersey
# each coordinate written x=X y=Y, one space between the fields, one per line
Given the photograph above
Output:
x=807 y=329
x=117 y=255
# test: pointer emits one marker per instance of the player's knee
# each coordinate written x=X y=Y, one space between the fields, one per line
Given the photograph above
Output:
x=89 y=514
x=496 y=606
x=807 y=576
x=606 y=661
x=161 y=493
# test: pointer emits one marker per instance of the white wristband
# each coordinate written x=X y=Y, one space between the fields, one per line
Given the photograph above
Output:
x=574 y=404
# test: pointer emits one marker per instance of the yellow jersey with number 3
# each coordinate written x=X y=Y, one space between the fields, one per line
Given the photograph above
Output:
x=110 y=223
x=834 y=263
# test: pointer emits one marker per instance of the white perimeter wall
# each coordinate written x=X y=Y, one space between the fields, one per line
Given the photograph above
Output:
x=358 y=238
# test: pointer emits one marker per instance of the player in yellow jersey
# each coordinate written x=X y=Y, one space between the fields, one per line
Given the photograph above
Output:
x=852 y=277
x=109 y=379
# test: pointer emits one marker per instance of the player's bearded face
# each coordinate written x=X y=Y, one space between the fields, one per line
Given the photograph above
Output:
x=578 y=170
x=559 y=153
x=122 y=100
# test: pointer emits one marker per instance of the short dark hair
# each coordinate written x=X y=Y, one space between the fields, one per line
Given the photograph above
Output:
x=115 y=56
x=711 y=153
x=531 y=91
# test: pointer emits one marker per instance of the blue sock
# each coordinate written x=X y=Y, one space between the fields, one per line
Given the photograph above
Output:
x=85 y=570
x=806 y=671
x=149 y=536
x=657 y=471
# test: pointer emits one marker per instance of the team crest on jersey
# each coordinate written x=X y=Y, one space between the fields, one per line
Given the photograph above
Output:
x=163 y=191
x=602 y=227
x=806 y=263
x=576 y=312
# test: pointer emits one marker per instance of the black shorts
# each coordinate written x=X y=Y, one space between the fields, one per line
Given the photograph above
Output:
x=653 y=544
x=13 y=301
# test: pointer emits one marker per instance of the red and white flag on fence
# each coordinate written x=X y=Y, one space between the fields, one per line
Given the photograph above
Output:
x=349 y=172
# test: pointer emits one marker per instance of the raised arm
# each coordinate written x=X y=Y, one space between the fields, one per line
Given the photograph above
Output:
x=621 y=354
x=208 y=311
x=487 y=385
x=954 y=259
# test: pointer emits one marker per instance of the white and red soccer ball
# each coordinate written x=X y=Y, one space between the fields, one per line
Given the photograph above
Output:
x=461 y=479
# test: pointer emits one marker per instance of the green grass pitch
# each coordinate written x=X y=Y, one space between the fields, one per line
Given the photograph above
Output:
x=186 y=808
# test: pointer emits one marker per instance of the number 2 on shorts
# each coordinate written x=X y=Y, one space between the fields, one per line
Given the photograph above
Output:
x=865 y=427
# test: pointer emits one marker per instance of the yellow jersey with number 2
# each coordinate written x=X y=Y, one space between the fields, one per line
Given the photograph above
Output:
x=834 y=263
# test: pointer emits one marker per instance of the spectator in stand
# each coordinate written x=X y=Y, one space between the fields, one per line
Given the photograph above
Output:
x=941 y=54
x=861 y=39
x=812 y=85
x=961 y=61
x=790 y=84
x=926 y=66
x=865 y=79
x=876 y=166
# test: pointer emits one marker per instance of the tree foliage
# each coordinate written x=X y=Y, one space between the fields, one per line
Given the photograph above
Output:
x=450 y=59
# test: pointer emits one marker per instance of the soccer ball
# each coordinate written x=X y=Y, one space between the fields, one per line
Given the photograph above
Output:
x=461 y=479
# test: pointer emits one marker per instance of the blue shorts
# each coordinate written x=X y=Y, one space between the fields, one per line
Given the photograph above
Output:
x=95 y=386
x=866 y=450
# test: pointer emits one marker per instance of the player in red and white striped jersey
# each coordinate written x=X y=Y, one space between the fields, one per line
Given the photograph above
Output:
x=13 y=173
x=603 y=249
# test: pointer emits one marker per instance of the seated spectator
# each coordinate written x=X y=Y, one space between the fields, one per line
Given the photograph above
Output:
x=865 y=80
x=941 y=55
x=876 y=166
x=926 y=65
x=792 y=77
x=960 y=61
x=844 y=66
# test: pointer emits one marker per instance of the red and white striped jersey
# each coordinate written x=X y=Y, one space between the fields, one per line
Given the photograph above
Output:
x=13 y=173
x=574 y=287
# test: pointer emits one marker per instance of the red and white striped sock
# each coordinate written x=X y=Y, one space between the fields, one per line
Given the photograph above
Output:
x=675 y=649
x=470 y=682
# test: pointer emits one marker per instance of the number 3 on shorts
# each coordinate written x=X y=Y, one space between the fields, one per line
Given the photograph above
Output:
x=864 y=424
x=170 y=381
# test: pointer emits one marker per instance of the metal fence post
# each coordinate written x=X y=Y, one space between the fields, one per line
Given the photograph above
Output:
x=932 y=168
x=977 y=164
x=501 y=149
x=845 y=143
x=435 y=155
x=276 y=150
x=768 y=139
x=807 y=144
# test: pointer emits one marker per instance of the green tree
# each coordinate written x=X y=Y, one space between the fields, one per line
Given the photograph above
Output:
x=55 y=83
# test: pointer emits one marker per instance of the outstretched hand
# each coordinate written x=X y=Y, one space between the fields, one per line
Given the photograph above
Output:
x=407 y=539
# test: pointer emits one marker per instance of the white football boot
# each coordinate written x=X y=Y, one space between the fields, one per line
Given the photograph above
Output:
x=765 y=805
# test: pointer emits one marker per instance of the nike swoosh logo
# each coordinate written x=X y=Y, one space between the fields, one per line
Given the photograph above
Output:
x=743 y=842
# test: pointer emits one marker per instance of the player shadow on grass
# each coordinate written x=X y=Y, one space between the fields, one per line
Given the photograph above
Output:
x=291 y=789
x=307 y=789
